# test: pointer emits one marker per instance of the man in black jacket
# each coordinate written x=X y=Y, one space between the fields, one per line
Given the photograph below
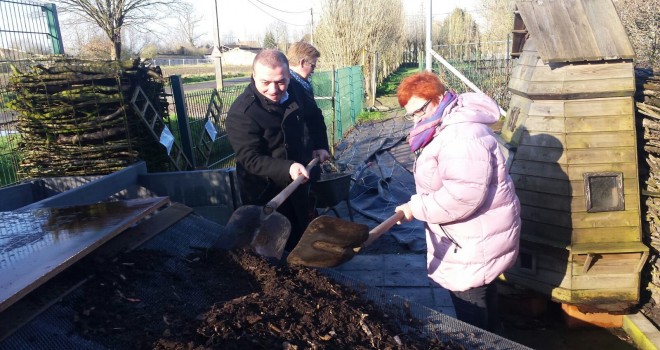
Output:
x=275 y=131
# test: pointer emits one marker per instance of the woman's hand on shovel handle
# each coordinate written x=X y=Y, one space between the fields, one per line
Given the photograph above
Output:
x=407 y=213
x=298 y=169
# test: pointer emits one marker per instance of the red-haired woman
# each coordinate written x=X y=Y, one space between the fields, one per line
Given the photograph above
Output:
x=464 y=193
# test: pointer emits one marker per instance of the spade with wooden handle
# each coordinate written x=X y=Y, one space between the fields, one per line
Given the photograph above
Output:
x=262 y=228
x=330 y=241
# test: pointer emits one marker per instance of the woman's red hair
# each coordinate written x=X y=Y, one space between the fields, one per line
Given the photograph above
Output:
x=425 y=85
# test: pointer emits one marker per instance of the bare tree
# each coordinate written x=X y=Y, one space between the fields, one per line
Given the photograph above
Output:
x=188 y=22
x=229 y=37
x=350 y=32
x=498 y=18
x=149 y=51
x=415 y=35
x=281 y=34
x=95 y=47
x=458 y=35
x=113 y=16
x=134 y=41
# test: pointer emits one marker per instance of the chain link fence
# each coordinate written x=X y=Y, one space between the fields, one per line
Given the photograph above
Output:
x=219 y=153
x=340 y=95
x=486 y=64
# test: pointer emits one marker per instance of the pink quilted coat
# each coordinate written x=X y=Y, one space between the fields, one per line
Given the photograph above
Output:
x=464 y=188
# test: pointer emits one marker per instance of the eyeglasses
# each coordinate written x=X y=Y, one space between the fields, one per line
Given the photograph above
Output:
x=313 y=65
x=417 y=113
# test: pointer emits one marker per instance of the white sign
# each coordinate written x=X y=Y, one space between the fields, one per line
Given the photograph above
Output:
x=210 y=129
x=167 y=139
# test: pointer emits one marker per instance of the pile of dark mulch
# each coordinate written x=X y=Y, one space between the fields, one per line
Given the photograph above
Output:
x=234 y=300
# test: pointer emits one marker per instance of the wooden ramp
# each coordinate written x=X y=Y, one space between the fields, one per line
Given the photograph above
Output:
x=36 y=245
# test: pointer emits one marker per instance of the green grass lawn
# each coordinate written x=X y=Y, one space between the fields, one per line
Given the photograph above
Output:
x=199 y=78
x=370 y=115
x=389 y=86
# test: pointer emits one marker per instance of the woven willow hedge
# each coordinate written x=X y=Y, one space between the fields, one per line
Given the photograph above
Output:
x=75 y=116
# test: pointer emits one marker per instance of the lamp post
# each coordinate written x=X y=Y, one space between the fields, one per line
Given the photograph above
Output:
x=217 y=54
x=311 y=29
x=429 y=15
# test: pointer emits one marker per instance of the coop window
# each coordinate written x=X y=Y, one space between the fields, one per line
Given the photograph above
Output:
x=603 y=191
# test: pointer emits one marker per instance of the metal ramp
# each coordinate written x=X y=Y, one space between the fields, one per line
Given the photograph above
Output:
x=159 y=130
x=38 y=244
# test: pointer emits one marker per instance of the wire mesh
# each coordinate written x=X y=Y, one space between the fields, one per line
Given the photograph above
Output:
x=486 y=64
x=26 y=31
x=323 y=95
x=198 y=104
x=342 y=105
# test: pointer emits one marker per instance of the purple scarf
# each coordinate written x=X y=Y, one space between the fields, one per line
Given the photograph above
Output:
x=422 y=133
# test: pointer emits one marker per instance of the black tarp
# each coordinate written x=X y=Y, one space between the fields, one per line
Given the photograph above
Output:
x=382 y=162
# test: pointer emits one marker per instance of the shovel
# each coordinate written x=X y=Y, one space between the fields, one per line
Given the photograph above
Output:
x=330 y=241
x=263 y=228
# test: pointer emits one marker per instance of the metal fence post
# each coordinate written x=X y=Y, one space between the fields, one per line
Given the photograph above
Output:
x=351 y=89
x=54 y=28
x=182 y=117
x=337 y=105
x=374 y=79
x=332 y=105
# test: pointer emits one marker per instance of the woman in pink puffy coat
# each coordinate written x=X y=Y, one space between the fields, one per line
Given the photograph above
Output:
x=464 y=193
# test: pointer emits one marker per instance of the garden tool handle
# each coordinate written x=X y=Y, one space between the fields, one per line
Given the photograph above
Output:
x=383 y=227
x=274 y=203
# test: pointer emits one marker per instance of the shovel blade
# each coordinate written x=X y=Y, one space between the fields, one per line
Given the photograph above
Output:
x=270 y=239
x=249 y=226
x=328 y=242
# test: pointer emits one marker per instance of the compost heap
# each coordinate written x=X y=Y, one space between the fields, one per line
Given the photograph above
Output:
x=76 y=118
x=250 y=304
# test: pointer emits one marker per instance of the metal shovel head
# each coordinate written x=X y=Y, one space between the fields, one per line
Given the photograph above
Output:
x=328 y=242
x=265 y=234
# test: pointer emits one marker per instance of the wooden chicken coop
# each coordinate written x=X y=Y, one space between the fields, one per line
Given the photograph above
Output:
x=571 y=129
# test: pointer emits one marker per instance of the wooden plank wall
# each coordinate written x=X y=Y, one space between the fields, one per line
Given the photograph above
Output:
x=567 y=119
x=533 y=79
x=560 y=139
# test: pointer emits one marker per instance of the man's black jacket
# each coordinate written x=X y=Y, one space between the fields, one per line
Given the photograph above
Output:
x=268 y=137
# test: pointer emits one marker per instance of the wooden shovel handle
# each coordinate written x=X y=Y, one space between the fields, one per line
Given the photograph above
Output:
x=274 y=203
x=383 y=227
